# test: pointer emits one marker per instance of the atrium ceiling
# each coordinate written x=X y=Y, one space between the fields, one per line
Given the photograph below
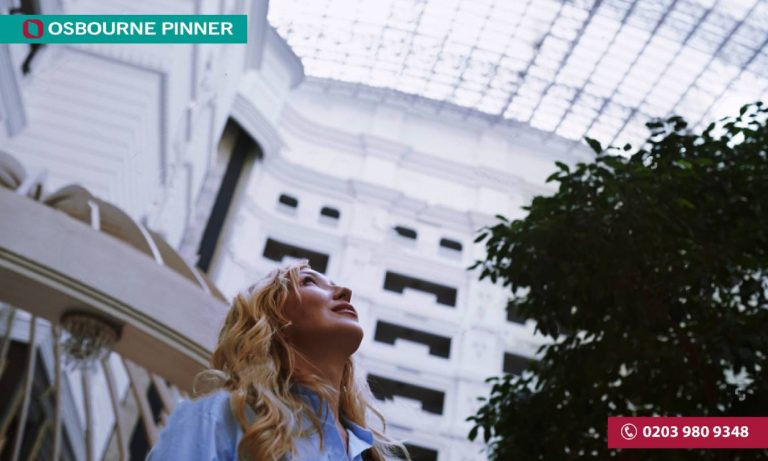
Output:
x=598 y=68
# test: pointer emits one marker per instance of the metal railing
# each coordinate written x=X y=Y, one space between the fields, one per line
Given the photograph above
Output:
x=139 y=401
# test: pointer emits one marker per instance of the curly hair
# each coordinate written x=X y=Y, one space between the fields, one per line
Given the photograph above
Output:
x=256 y=364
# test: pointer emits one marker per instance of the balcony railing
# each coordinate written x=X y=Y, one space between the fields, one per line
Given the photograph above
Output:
x=103 y=326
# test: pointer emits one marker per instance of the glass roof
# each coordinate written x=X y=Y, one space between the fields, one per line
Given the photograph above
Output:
x=576 y=68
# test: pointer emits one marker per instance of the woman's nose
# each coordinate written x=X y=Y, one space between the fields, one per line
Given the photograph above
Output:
x=343 y=293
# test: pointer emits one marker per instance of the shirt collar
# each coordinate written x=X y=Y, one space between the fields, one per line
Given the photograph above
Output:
x=308 y=394
x=360 y=440
x=360 y=432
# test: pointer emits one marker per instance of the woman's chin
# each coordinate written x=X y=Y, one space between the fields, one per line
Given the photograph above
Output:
x=351 y=333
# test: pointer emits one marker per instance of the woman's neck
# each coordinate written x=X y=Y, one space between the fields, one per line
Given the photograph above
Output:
x=330 y=370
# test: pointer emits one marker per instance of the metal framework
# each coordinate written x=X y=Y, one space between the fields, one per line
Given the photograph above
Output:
x=83 y=332
x=44 y=335
x=598 y=68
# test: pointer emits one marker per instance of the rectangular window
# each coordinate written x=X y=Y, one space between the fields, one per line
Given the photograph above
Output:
x=386 y=332
x=419 y=453
x=515 y=364
x=398 y=282
x=450 y=244
x=276 y=251
x=432 y=401
x=513 y=316
x=288 y=200
x=406 y=232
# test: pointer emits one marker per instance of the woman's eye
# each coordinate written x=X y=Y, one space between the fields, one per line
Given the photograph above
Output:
x=307 y=280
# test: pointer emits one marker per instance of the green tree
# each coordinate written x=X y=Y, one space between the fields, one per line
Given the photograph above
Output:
x=648 y=273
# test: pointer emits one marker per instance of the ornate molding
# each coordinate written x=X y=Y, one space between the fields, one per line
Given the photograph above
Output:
x=12 y=109
x=307 y=130
x=50 y=264
x=257 y=126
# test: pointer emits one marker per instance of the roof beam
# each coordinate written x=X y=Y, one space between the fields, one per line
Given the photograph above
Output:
x=532 y=61
x=573 y=45
x=652 y=34
x=634 y=110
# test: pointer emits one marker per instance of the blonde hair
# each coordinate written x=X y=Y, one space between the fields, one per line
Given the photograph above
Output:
x=255 y=363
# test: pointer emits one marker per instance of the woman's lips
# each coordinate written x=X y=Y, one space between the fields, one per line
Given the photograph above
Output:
x=345 y=308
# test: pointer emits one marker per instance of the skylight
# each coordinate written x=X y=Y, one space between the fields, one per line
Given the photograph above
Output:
x=575 y=68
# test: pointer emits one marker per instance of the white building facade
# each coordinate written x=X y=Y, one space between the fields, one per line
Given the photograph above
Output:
x=386 y=197
x=236 y=158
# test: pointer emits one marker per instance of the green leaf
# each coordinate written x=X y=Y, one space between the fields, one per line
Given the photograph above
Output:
x=685 y=203
x=662 y=256
x=744 y=109
x=552 y=177
x=595 y=145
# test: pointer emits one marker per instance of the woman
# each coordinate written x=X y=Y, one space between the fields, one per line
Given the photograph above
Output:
x=285 y=379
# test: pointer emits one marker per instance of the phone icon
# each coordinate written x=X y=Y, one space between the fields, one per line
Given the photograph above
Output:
x=628 y=431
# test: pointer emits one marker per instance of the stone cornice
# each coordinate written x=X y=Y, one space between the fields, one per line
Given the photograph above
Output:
x=293 y=123
x=443 y=111
x=257 y=126
x=392 y=257
x=384 y=148
x=373 y=193
x=309 y=131
x=303 y=178
x=278 y=226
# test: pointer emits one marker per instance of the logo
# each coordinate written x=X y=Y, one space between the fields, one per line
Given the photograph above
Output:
x=628 y=431
x=120 y=28
x=39 y=28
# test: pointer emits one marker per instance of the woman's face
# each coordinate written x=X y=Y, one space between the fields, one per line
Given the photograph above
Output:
x=323 y=316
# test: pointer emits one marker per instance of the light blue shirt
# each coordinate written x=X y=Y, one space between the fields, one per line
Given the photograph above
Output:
x=206 y=430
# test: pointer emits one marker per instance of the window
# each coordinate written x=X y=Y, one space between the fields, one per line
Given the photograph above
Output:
x=432 y=401
x=450 y=244
x=243 y=148
x=386 y=332
x=276 y=251
x=406 y=232
x=289 y=201
x=514 y=316
x=329 y=212
x=399 y=282
x=515 y=364
x=419 y=453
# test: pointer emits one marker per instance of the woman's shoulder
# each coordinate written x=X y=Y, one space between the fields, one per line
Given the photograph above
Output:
x=209 y=409
x=200 y=429
x=215 y=404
